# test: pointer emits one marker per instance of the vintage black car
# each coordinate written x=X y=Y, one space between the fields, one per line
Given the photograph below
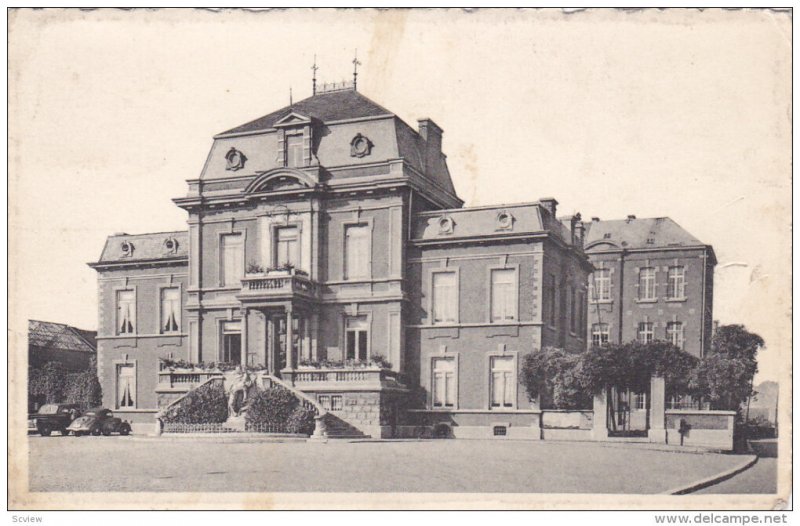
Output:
x=97 y=421
x=53 y=417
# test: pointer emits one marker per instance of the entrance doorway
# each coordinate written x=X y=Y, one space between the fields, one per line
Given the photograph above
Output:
x=629 y=413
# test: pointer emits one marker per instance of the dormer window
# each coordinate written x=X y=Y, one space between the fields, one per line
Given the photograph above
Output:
x=294 y=151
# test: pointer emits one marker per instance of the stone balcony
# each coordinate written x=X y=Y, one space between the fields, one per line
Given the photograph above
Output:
x=370 y=378
x=278 y=285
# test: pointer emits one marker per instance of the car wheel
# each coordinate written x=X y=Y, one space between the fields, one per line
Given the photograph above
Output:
x=45 y=430
x=64 y=432
x=106 y=432
x=78 y=433
x=125 y=430
x=96 y=431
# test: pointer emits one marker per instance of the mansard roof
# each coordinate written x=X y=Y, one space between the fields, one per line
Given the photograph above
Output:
x=637 y=233
x=332 y=106
x=152 y=247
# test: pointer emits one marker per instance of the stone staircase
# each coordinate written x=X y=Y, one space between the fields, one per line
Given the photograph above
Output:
x=336 y=428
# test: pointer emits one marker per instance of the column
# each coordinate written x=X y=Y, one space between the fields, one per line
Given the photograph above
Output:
x=600 y=416
x=306 y=338
x=245 y=347
x=270 y=340
x=657 y=433
x=314 y=336
x=291 y=359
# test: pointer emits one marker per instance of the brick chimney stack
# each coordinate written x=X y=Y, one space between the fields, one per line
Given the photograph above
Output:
x=432 y=133
x=550 y=204
x=577 y=230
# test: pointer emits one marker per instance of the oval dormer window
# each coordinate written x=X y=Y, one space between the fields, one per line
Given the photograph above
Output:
x=446 y=225
x=171 y=245
x=505 y=221
x=127 y=248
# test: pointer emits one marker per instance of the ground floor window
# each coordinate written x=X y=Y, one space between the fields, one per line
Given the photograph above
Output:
x=444 y=382
x=126 y=386
x=600 y=334
x=231 y=342
x=503 y=381
x=356 y=338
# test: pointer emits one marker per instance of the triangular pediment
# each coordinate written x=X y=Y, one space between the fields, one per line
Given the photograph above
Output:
x=293 y=118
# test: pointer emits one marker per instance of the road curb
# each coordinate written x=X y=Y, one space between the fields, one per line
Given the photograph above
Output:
x=714 y=479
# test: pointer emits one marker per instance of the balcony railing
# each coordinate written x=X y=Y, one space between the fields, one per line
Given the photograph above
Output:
x=184 y=380
x=342 y=379
x=279 y=284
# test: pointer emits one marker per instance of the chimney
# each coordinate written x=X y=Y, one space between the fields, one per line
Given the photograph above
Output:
x=549 y=203
x=577 y=230
x=432 y=134
x=631 y=217
x=595 y=220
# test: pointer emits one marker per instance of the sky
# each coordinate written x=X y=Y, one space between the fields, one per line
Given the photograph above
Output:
x=679 y=113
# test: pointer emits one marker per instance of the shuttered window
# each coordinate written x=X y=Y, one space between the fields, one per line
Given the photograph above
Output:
x=232 y=260
x=444 y=382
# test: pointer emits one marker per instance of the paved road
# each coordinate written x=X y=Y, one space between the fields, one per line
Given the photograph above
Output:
x=761 y=478
x=128 y=464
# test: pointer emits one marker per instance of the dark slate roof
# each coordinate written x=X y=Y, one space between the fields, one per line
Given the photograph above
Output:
x=60 y=337
x=146 y=247
x=333 y=106
x=635 y=233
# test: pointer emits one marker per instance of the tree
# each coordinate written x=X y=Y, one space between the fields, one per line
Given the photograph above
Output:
x=725 y=375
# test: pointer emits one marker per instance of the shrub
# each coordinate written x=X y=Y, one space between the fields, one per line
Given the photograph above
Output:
x=205 y=405
x=553 y=376
x=271 y=406
x=301 y=421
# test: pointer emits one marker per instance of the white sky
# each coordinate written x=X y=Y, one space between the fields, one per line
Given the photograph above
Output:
x=684 y=114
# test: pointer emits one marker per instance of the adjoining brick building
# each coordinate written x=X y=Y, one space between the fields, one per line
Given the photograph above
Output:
x=652 y=280
x=327 y=244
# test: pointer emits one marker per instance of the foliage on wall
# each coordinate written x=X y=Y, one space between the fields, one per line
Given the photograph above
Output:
x=52 y=384
x=84 y=388
x=552 y=376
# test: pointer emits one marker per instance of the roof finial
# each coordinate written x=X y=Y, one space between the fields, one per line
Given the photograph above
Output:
x=290 y=96
x=356 y=63
x=314 y=68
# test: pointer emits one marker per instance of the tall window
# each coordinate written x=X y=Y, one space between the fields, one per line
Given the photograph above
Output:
x=126 y=312
x=600 y=334
x=232 y=259
x=231 y=342
x=356 y=249
x=602 y=284
x=170 y=309
x=126 y=386
x=503 y=381
x=675 y=333
x=676 y=283
x=287 y=246
x=552 y=294
x=356 y=338
x=294 y=151
x=504 y=295
x=581 y=314
x=646 y=332
x=445 y=297
x=444 y=382
x=647 y=283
